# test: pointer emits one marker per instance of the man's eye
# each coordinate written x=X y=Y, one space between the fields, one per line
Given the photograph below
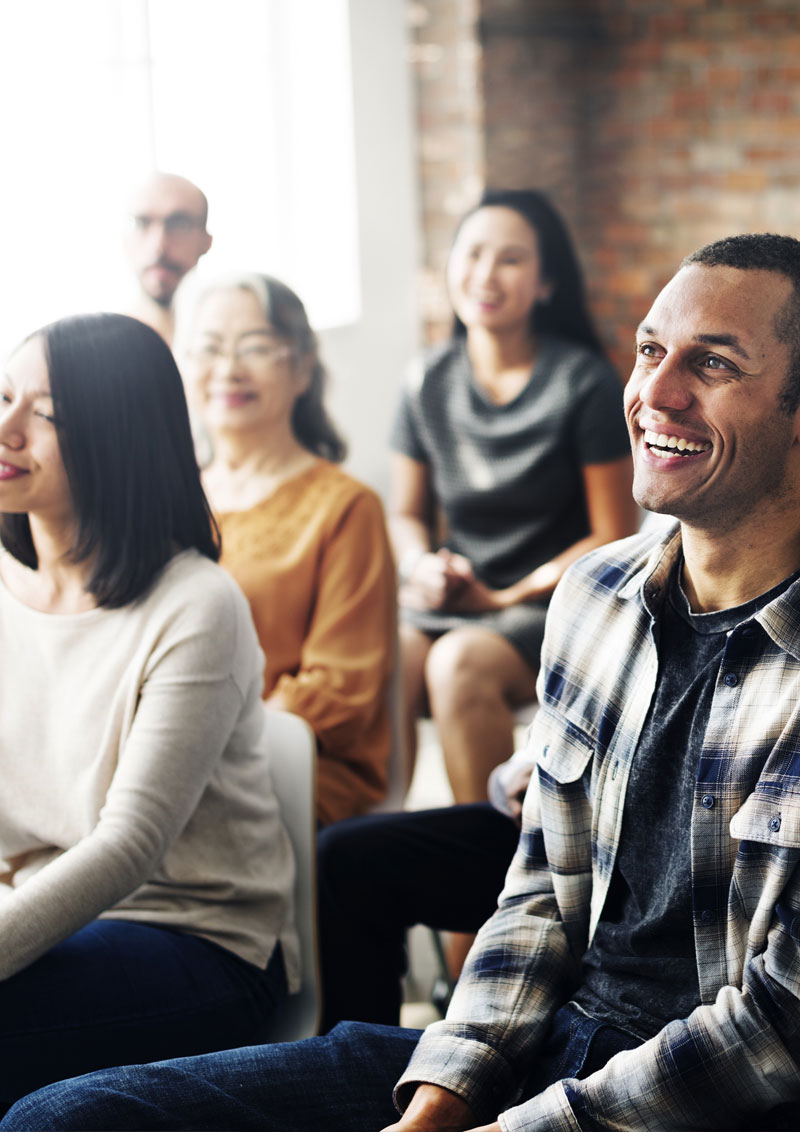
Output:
x=647 y=350
x=179 y=224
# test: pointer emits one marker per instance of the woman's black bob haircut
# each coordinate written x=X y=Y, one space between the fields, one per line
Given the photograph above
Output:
x=125 y=439
x=566 y=313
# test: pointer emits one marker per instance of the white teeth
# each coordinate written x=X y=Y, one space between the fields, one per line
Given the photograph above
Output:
x=660 y=440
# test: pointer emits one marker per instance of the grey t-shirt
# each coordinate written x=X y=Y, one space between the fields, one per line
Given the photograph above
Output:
x=509 y=477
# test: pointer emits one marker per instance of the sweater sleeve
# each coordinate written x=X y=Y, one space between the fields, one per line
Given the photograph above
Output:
x=189 y=701
x=341 y=685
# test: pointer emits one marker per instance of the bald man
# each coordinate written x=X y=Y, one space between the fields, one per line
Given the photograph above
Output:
x=166 y=238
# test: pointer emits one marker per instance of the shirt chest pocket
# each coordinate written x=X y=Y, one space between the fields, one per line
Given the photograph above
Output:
x=562 y=750
x=770 y=819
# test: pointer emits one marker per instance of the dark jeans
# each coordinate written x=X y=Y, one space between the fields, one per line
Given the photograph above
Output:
x=339 y=1083
x=119 y=992
x=380 y=875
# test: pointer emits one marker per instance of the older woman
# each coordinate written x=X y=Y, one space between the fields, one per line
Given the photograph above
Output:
x=145 y=876
x=306 y=542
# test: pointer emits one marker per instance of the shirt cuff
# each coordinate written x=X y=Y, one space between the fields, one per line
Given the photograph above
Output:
x=548 y=1112
x=469 y=1068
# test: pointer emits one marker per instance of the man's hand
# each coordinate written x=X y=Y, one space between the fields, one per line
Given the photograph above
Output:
x=515 y=786
x=434 y=1109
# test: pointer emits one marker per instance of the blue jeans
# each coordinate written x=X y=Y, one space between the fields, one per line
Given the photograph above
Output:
x=339 y=1083
x=118 y=992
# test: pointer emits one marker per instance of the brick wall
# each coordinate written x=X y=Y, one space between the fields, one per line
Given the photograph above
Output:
x=656 y=126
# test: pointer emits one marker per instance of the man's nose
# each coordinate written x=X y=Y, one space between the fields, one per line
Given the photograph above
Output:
x=668 y=386
x=156 y=238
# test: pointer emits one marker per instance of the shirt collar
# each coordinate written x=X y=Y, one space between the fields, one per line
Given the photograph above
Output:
x=650 y=583
x=780 y=619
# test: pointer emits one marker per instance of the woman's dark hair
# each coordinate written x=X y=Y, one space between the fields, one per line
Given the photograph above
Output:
x=566 y=313
x=124 y=435
x=285 y=313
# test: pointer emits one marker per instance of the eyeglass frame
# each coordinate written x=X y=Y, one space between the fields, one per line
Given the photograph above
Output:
x=180 y=223
x=253 y=355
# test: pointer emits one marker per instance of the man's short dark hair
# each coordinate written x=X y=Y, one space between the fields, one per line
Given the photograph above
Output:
x=125 y=439
x=765 y=251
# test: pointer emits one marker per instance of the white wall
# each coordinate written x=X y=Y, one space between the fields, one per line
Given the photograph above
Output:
x=367 y=360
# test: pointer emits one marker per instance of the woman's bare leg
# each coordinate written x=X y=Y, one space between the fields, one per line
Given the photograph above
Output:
x=474 y=679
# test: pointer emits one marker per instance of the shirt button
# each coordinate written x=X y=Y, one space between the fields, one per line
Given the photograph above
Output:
x=706 y=915
x=707 y=801
x=775 y=824
x=731 y=679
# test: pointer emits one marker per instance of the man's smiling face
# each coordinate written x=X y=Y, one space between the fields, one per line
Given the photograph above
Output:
x=711 y=442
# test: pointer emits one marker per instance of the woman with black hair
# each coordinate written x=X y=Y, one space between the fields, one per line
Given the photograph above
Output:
x=306 y=542
x=512 y=433
x=145 y=876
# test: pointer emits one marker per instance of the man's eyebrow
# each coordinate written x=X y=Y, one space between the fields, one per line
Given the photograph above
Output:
x=729 y=340
x=178 y=214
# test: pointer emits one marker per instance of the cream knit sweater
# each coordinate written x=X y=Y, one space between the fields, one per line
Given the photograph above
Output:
x=134 y=780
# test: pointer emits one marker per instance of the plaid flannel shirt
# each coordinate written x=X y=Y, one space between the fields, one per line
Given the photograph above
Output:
x=737 y=1053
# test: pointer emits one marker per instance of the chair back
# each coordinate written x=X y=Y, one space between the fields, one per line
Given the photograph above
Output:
x=397 y=771
x=293 y=760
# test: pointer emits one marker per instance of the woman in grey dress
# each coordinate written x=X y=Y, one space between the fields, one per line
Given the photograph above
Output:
x=510 y=439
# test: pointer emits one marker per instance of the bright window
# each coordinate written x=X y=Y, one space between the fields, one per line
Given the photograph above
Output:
x=251 y=99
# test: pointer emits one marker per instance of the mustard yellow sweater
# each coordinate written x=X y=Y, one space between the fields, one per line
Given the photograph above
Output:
x=315 y=564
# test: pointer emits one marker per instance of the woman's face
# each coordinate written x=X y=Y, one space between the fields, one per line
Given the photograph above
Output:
x=241 y=374
x=494 y=273
x=33 y=478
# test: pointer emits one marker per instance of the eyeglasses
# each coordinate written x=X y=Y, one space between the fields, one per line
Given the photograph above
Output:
x=255 y=355
x=175 y=224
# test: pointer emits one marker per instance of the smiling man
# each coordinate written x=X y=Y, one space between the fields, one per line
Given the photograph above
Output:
x=166 y=237
x=642 y=970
